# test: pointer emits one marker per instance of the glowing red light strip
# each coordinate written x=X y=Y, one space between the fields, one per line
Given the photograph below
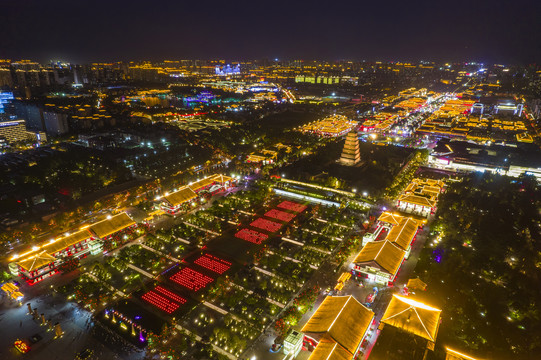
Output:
x=170 y=294
x=280 y=215
x=160 y=302
x=191 y=279
x=251 y=236
x=266 y=225
x=293 y=206
x=213 y=263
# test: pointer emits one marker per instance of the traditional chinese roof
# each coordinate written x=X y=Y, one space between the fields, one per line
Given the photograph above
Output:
x=36 y=261
x=524 y=137
x=110 y=226
x=403 y=234
x=413 y=316
x=221 y=178
x=341 y=319
x=384 y=254
x=432 y=182
x=66 y=241
x=9 y=287
x=417 y=200
x=416 y=284
x=257 y=158
x=198 y=185
x=455 y=355
x=424 y=185
x=181 y=196
x=328 y=349
x=432 y=189
x=390 y=218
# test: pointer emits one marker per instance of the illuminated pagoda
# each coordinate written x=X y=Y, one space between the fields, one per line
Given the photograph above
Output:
x=339 y=326
x=408 y=330
x=351 y=154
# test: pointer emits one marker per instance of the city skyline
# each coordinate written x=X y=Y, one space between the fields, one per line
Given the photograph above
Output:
x=270 y=181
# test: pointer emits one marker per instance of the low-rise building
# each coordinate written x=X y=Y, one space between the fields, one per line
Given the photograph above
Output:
x=339 y=327
x=408 y=330
x=379 y=262
x=43 y=260
x=420 y=197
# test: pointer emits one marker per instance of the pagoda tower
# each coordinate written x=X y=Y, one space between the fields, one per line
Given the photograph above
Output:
x=351 y=155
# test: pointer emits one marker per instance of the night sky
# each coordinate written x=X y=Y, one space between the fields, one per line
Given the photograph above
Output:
x=98 y=30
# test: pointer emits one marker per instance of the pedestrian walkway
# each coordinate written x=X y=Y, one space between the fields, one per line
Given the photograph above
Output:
x=141 y=271
x=159 y=253
x=200 y=228
x=216 y=308
x=264 y=271
x=306 y=246
x=332 y=223
x=183 y=240
x=293 y=241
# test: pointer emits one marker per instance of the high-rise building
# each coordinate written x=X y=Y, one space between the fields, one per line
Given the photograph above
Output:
x=351 y=155
x=13 y=131
x=6 y=79
x=32 y=113
x=6 y=98
x=56 y=123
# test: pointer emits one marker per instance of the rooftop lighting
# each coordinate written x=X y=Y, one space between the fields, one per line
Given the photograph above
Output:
x=414 y=303
x=459 y=354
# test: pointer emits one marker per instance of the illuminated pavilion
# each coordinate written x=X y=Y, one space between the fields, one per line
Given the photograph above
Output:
x=416 y=284
x=409 y=329
x=379 y=261
x=413 y=316
x=174 y=202
x=41 y=261
x=420 y=196
x=404 y=234
x=183 y=197
x=390 y=218
x=339 y=325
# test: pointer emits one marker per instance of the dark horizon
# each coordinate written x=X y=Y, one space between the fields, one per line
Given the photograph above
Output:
x=90 y=31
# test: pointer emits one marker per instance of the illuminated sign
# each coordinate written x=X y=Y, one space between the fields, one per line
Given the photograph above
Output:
x=11 y=123
x=21 y=346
